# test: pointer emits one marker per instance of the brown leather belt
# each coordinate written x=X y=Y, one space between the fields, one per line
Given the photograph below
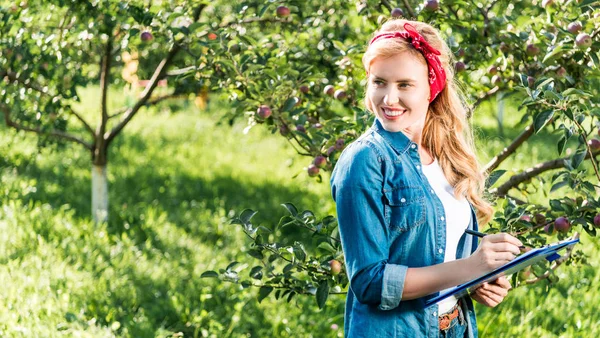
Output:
x=446 y=318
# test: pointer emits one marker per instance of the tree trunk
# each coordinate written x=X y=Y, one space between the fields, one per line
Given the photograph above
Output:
x=99 y=193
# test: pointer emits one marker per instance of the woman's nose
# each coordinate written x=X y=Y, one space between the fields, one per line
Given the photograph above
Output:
x=391 y=97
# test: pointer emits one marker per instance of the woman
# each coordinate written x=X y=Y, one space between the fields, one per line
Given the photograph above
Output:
x=406 y=191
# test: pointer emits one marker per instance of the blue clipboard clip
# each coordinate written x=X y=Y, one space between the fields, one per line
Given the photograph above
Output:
x=548 y=252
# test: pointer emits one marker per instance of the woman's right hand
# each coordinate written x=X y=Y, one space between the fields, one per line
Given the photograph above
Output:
x=494 y=251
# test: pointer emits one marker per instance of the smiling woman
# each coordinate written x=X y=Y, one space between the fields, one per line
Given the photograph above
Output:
x=407 y=190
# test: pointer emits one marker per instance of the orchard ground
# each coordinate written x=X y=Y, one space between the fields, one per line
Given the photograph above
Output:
x=176 y=179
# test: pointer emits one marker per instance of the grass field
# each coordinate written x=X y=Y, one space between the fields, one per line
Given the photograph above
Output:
x=175 y=180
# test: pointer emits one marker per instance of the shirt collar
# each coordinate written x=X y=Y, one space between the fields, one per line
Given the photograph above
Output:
x=397 y=140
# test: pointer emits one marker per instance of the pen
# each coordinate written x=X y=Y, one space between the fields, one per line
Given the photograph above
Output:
x=475 y=233
x=481 y=235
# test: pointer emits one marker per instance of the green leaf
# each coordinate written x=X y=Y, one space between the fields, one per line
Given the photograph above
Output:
x=263 y=292
x=578 y=157
x=299 y=252
x=256 y=272
x=209 y=274
x=493 y=177
x=553 y=53
x=289 y=104
x=231 y=265
x=255 y=253
x=327 y=247
x=542 y=119
x=246 y=215
x=322 y=293
x=291 y=209
x=562 y=143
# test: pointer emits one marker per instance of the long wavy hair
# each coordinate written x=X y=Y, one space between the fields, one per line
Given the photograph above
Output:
x=447 y=133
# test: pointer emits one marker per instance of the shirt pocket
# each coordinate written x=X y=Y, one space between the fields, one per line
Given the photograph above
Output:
x=406 y=208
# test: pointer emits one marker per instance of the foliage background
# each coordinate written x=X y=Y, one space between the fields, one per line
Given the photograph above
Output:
x=177 y=177
x=139 y=276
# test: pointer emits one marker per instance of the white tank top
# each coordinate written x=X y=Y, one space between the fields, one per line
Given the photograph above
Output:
x=458 y=217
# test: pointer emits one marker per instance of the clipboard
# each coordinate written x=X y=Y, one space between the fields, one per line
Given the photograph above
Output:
x=531 y=257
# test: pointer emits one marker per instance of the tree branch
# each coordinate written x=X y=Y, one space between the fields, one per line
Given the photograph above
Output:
x=150 y=103
x=532 y=172
x=104 y=82
x=57 y=134
x=506 y=152
x=158 y=74
x=253 y=20
x=28 y=84
x=409 y=9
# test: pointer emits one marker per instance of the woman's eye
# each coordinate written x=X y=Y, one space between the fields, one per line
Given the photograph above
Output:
x=404 y=85
x=378 y=82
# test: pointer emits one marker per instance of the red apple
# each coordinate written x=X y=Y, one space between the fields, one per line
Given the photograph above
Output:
x=574 y=27
x=146 y=36
x=300 y=128
x=562 y=224
x=597 y=221
x=397 y=12
x=339 y=144
x=304 y=89
x=283 y=11
x=340 y=94
x=583 y=40
x=264 y=111
x=336 y=267
x=549 y=228
x=525 y=218
x=561 y=72
x=329 y=90
x=594 y=144
x=492 y=70
x=432 y=5
x=459 y=66
x=212 y=36
x=530 y=81
x=320 y=161
x=312 y=170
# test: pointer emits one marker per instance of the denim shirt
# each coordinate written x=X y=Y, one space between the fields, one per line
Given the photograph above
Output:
x=390 y=219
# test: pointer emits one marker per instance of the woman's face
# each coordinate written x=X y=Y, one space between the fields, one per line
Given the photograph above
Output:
x=398 y=89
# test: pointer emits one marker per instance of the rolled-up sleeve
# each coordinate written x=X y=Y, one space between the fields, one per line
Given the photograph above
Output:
x=357 y=188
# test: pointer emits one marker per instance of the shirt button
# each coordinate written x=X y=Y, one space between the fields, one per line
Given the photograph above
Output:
x=403 y=200
x=440 y=250
x=419 y=167
x=431 y=190
x=413 y=146
x=435 y=314
x=442 y=218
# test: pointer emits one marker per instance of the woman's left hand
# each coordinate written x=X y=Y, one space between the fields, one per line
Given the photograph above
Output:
x=493 y=293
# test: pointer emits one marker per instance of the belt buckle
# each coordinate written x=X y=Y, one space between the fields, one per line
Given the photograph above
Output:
x=446 y=319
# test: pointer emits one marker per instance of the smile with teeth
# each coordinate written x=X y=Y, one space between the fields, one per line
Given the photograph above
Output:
x=393 y=113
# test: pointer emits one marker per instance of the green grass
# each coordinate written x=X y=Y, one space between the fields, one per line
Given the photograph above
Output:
x=175 y=180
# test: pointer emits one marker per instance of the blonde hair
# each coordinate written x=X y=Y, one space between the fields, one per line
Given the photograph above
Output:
x=447 y=133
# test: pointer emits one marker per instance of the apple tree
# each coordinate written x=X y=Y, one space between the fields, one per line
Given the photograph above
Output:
x=306 y=83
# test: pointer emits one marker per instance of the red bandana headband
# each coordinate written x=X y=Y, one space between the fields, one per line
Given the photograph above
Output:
x=437 y=75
